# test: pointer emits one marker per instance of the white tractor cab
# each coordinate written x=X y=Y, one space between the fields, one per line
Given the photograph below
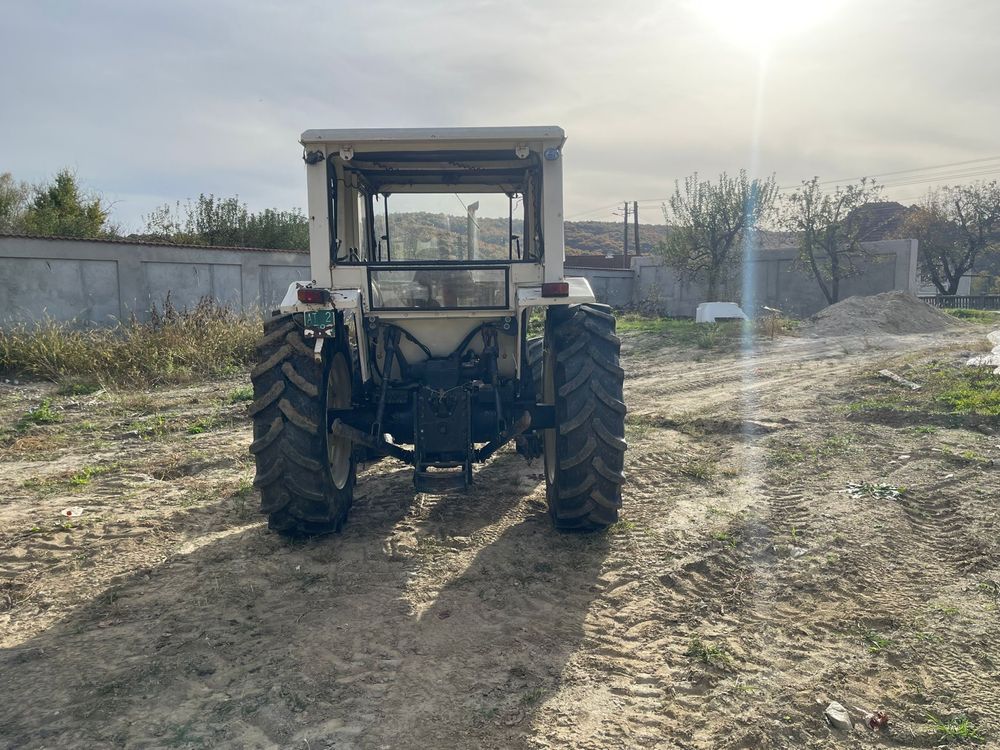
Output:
x=429 y=249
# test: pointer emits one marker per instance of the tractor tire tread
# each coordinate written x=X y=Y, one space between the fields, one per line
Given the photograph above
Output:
x=588 y=468
x=288 y=414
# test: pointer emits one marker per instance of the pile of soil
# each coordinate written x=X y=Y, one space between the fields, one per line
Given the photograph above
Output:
x=893 y=313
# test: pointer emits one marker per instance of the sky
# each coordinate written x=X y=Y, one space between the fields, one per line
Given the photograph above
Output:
x=154 y=102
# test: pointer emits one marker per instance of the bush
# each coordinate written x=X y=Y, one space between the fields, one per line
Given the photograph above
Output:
x=174 y=346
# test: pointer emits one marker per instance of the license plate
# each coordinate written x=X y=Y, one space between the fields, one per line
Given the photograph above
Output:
x=319 y=319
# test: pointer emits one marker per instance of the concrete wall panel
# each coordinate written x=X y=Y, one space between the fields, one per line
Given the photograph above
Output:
x=227 y=284
x=64 y=289
x=95 y=281
x=274 y=282
x=186 y=283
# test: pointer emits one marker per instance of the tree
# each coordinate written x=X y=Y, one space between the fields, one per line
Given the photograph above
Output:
x=710 y=220
x=955 y=228
x=226 y=221
x=60 y=209
x=939 y=247
x=14 y=197
x=831 y=229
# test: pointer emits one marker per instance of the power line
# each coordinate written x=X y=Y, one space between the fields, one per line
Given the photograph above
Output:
x=594 y=210
x=943 y=177
x=914 y=169
x=965 y=174
x=914 y=178
x=890 y=183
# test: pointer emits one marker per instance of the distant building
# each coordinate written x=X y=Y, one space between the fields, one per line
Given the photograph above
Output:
x=927 y=288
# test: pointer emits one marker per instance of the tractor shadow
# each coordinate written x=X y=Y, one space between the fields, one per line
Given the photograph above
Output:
x=251 y=640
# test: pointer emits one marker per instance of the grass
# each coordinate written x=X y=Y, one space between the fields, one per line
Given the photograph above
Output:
x=700 y=469
x=977 y=316
x=637 y=427
x=709 y=654
x=990 y=588
x=41 y=414
x=950 y=388
x=683 y=332
x=784 y=457
x=532 y=697
x=174 y=346
x=243 y=393
x=945 y=610
x=240 y=496
x=726 y=538
x=202 y=424
x=74 y=481
x=956 y=729
x=71 y=388
x=872 y=403
x=977 y=392
x=82 y=478
x=835 y=445
x=149 y=428
x=876 y=643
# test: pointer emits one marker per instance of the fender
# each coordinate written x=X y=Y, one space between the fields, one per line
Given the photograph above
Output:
x=348 y=301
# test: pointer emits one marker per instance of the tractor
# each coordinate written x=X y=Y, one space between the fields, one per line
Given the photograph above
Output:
x=411 y=339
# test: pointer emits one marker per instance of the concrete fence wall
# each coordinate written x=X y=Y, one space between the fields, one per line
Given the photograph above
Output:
x=98 y=281
x=777 y=280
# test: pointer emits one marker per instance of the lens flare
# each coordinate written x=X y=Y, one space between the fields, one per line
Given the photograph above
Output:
x=760 y=23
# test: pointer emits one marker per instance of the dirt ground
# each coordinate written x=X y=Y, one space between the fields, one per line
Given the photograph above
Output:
x=780 y=547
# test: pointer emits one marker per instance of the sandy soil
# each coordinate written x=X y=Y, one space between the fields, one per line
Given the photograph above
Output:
x=746 y=586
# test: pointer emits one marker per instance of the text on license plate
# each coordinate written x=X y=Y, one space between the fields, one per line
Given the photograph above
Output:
x=318 y=319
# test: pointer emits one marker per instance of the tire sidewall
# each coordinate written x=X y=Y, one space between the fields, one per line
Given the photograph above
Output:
x=338 y=349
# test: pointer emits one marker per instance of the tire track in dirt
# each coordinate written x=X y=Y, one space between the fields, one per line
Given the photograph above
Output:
x=462 y=621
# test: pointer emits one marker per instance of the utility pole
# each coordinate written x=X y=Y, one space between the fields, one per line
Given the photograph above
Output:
x=635 y=219
x=625 y=248
x=472 y=231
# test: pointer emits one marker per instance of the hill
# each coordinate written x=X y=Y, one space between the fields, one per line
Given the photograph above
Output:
x=416 y=234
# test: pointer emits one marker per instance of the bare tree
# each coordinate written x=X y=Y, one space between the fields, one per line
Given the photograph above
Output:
x=709 y=221
x=831 y=229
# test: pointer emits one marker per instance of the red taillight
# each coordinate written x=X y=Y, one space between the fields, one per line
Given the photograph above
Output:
x=313 y=296
x=555 y=289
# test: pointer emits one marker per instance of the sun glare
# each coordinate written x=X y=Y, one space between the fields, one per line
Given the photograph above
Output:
x=760 y=23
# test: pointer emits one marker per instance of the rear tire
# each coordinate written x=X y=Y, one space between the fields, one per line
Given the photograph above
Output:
x=306 y=475
x=585 y=452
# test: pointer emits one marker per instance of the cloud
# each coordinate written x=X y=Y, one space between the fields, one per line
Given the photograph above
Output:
x=159 y=102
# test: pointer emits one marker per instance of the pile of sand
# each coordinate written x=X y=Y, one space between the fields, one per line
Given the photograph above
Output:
x=890 y=312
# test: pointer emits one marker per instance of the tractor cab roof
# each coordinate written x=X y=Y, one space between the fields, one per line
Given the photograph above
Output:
x=375 y=139
x=439 y=159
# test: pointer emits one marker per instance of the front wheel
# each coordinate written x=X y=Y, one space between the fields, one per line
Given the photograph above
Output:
x=585 y=451
x=305 y=474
